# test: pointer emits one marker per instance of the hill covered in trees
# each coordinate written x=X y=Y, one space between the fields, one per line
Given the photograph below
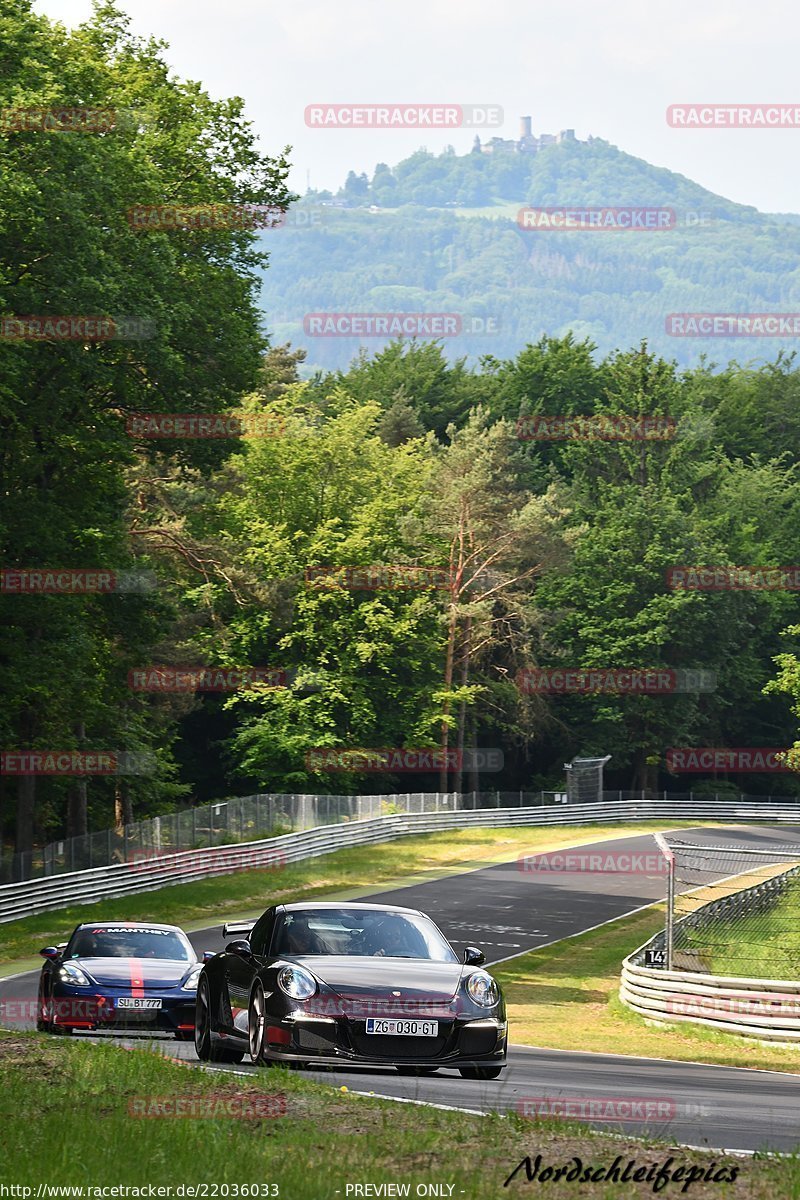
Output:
x=440 y=233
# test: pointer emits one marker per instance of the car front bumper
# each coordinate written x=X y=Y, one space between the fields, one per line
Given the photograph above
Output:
x=99 y=1010
x=325 y=1041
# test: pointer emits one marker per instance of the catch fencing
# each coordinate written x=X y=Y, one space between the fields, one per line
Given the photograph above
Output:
x=252 y=818
x=153 y=868
x=729 y=956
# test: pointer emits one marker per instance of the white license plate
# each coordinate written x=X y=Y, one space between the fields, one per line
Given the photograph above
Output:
x=136 y=1002
x=395 y=1028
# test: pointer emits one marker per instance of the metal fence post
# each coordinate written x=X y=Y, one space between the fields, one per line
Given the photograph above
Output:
x=670 y=910
x=669 y=930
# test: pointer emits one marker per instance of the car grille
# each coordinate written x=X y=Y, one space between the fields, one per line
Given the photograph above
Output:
x=477 y=1041
x=397 y=1047
x=314 y=1043
x=133 y=1016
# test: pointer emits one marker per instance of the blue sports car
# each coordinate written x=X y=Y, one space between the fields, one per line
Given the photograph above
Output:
x=120 y=975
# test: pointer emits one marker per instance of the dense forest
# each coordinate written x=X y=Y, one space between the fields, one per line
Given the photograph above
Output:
x=555 y=553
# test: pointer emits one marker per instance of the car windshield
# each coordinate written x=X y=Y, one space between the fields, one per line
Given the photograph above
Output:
x=115 y=941
x=361 y=932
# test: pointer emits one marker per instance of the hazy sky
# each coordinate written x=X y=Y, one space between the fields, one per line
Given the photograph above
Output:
x=609 y=69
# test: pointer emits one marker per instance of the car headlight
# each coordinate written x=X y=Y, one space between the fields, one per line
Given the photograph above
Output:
x=482 y=989
x=190 y=982
x=296 y=982
x=69 y=973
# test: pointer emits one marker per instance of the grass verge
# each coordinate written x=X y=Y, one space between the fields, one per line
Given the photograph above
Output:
x=565 y=997
x=69 y=1117
x=406 y=860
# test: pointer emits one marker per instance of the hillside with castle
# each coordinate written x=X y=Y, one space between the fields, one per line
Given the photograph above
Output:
x=526 y=143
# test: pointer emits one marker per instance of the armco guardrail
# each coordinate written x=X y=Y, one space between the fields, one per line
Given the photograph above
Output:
x=123 y=879
x=253 y=818
x=760 y=1008
x=768 y=1009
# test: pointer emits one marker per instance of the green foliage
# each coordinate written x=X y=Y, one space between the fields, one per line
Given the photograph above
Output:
x=447 y=238
x=66 y=247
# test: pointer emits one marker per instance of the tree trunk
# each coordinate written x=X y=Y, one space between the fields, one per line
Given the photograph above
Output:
x=474 y=774
x=26 y=796
x=77 y=805
x=26 y=807
x=77 y=809
x=448 y=683
x=462 y=715
x=643 y=775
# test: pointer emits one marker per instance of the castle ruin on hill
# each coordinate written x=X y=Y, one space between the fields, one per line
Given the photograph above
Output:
x=526 y=143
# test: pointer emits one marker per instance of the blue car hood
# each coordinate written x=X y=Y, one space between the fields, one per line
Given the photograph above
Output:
x=134 y=972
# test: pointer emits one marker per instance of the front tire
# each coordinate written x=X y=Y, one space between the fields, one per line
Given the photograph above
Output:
x=205 y=1047
x=479 y=1072
x=42 y=1024
x=257 y=1024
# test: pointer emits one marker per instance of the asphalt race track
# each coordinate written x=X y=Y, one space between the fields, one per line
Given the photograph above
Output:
x=507 y=911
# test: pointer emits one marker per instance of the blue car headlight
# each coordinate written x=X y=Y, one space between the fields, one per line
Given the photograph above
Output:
x=296 y=983
x=69 y=973
x=190 y=982
x=482 y=989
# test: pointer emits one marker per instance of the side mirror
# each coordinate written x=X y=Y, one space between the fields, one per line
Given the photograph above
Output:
x=242 y=948
x=208 y=955
x=474 y=957
x=50 y=952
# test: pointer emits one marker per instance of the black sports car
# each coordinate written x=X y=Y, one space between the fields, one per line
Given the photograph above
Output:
x=120 y=975
x=366 y=984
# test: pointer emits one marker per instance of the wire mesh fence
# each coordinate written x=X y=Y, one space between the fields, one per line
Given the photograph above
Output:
x=734 y=910
x=243 y=819
x=249 y=818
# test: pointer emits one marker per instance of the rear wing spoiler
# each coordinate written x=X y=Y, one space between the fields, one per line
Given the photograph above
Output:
x=237 y=928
